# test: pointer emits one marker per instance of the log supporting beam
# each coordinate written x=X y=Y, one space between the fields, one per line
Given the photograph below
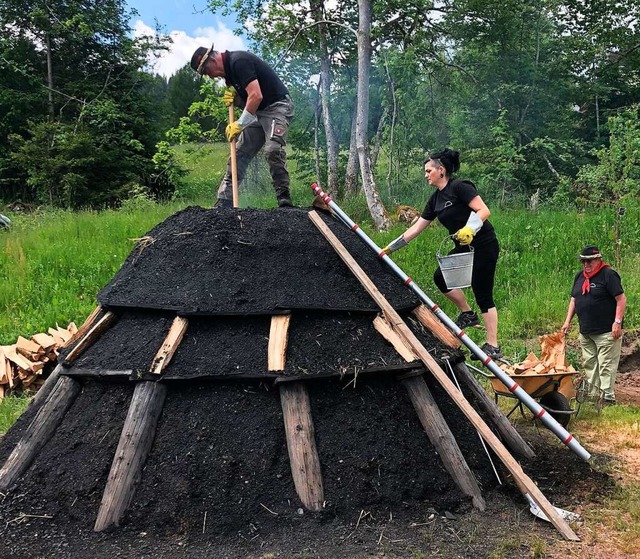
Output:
x=507 y=431
x=439 y=330
x=135 y=443
x=40 y=430
x=301 y=443
x=443 y=439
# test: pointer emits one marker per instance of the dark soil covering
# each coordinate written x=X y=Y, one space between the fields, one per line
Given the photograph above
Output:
x=320 y=344
x=218 y=484
x=247 y=261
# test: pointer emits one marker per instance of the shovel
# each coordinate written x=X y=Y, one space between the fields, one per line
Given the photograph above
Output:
x=536 y=511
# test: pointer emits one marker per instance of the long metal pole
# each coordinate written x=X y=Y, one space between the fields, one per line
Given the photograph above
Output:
x=234 y=165
x=538 y=411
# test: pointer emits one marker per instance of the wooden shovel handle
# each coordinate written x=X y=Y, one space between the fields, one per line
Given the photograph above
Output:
x=234 y=164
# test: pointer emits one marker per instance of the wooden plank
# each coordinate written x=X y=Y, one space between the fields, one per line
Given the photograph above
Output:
x=56 y=337
x=91 y=336
x=86 y=325
x=39 y=431
x=507 y=431
x=19 y=360
x=410 y=339
x=301 y=443
x=278 y=339
x=45 y=340
x=136 y=439
x=443 y=439
x=170 y=344
x=28 y=345
x=385 y=330
x=431 y=323
x=64 y=334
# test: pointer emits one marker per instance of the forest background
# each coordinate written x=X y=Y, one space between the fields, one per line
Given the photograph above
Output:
x=539 y=97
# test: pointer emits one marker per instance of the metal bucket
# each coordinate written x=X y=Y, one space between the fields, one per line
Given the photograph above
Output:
x=456 y=268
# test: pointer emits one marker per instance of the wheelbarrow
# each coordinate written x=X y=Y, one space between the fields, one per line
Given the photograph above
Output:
x=554 y=392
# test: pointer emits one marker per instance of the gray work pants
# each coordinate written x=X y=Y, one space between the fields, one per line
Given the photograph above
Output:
x=270 y=131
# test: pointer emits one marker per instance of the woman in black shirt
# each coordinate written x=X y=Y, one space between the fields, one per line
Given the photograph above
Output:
x=458 y=206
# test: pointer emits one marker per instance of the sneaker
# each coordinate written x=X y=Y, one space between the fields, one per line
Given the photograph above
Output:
x=467 y=319
x=491 y=350
x=223 y=203
x=285 y=202
x=609 y=402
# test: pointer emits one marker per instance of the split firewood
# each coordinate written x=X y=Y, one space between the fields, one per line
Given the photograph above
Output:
x=54 y=334
x=45 y=340
x=28 y=346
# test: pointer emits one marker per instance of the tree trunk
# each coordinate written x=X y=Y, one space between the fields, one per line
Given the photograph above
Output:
x=374 y=202
x=50 y=77
x=316 y=139
x=375 y=151
x=351 y=175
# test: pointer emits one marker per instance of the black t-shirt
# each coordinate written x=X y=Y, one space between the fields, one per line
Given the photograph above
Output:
x=241 y=68
x=451 y=207
x=596 y=309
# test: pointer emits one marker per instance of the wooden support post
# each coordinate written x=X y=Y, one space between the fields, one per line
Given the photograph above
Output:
x=511 y=437
x=301 y=442
x=170 y=345
x=135 y=442
x=278 y=339
x=43 y=393
x=432 y=420
x=431 y=323
x=40 y=431
x=410 y=339
x=91 y=336
x=443 y=439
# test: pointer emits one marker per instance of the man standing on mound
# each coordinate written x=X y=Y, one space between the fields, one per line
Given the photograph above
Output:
x=268 y=110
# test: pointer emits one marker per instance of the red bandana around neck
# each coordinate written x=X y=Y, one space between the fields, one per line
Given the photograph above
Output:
x=586 y=285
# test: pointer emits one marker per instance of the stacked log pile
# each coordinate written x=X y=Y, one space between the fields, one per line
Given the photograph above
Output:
x=552 y=358
x=22 y=364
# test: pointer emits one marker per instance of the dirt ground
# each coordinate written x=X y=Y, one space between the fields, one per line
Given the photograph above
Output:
x=628 y=379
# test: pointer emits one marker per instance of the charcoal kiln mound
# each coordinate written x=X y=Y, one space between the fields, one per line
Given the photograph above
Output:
x=237 y=378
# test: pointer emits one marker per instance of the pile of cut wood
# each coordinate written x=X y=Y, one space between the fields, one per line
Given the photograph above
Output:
x=552 y=359
x=22 y=364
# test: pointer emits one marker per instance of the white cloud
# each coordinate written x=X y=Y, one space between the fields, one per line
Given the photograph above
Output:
x=184 y=45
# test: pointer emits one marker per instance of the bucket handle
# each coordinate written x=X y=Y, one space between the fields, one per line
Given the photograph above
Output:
x=439 y=254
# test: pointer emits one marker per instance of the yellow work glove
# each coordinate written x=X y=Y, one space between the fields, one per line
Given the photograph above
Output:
x=229 y=97
x=233 y=130
x=465 y=235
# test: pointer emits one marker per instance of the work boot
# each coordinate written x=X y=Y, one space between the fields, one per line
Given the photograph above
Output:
x=467 y=319
x=491 y=350
x=223 y=203
x=284 y=202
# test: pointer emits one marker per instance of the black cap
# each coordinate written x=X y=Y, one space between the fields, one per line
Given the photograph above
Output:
x=199 y=57
x=590 y=252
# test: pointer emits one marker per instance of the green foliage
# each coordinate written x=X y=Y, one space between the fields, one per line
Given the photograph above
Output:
x=616 y=176
x=10 y=409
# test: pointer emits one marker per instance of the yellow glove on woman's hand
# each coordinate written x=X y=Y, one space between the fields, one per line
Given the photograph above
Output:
x=465 y=235
x=233 y=130
x=229 y=97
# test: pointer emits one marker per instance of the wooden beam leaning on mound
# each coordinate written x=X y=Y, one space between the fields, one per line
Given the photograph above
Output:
x=411 y=341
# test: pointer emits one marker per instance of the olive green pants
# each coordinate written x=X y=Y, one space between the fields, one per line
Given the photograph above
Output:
x=601 y=355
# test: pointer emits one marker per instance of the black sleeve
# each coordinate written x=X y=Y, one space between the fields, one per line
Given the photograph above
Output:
x=614 y=284
x=429 y=212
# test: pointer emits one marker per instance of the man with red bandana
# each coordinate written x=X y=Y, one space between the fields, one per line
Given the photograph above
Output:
x=599 y=301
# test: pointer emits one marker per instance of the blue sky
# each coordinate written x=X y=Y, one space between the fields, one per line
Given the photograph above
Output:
x=188 y=29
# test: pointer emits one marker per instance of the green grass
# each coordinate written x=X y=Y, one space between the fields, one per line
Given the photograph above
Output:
x=10 y=409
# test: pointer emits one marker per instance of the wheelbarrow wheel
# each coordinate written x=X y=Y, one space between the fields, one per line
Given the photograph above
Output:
x=559 y=403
